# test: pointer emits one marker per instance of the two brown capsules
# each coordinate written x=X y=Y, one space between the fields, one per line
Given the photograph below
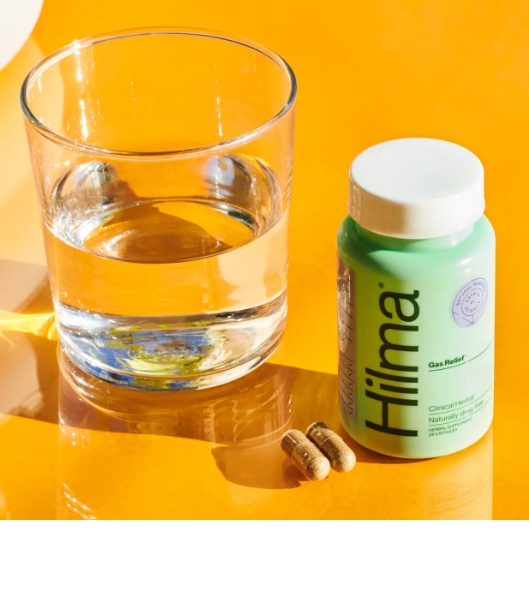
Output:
x=318 y=451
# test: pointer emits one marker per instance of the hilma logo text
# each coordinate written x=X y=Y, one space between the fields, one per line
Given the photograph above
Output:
x=393 y=379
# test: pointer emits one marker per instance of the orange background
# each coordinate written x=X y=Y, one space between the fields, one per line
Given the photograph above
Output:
x=367 y=72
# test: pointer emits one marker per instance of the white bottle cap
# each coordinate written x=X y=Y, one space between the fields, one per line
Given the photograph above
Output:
x=416 y=188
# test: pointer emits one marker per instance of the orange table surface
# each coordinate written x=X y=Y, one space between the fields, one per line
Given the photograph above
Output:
x=367 y=72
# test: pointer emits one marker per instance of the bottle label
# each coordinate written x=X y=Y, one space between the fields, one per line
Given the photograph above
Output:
x=347 y=339
x=420 y=380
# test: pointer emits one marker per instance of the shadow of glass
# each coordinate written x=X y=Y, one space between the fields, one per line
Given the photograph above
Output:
x=244 y=419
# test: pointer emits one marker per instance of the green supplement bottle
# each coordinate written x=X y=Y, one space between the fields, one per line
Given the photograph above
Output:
x=416 y=272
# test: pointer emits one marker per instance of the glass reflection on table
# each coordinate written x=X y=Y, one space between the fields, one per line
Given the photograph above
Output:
x=244 y=420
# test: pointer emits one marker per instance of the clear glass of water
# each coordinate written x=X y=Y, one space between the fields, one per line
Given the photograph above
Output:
x=163 y=165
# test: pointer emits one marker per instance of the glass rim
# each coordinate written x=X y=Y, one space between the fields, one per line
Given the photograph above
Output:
x=67 y=50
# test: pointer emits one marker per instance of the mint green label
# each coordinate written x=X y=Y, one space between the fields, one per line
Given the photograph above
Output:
x=416 y=344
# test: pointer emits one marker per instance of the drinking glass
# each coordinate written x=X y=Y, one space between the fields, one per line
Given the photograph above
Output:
x=163 y=165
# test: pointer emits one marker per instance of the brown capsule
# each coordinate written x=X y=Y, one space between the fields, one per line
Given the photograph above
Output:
x=332 y=445
x=305 y=455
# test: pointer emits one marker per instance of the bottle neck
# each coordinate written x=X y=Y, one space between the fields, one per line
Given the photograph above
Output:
x=415 y=245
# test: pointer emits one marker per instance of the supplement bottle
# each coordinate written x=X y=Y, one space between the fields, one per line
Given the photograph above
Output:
x=416 y=271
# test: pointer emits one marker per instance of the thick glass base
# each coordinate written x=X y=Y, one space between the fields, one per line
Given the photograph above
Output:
x=182 y=353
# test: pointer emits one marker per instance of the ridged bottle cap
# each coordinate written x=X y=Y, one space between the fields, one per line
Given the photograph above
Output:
x=416 y=188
